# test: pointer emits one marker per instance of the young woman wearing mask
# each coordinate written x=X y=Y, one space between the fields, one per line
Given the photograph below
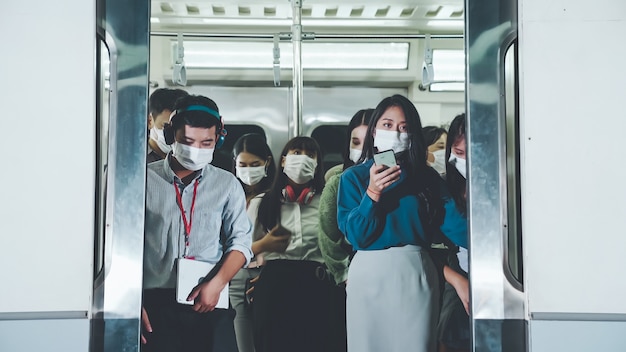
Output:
x=389 y=215
x=254 y=166
x=290 y=305
x=435 y=138
x=453 y=328
x=336 y=250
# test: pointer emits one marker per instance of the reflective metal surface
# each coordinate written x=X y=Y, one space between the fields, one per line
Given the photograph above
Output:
x=118 y=285
x=496 y=299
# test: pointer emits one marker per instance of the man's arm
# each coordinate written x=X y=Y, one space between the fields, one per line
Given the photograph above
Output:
x=236 y=247
x=207 y=294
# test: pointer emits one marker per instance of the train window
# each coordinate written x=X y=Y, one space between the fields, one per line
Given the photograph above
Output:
x=103 y=100
x=448 y=70
x=223 y=157
x=514 y=239
x=315 y=55
x=331 y=139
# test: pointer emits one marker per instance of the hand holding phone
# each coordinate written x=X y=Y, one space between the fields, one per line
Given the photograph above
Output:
x=276 y=240
x=387 y=158
x=383 y=176
x=280 y=231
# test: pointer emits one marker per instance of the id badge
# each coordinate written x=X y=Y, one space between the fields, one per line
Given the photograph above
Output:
x=189 y=274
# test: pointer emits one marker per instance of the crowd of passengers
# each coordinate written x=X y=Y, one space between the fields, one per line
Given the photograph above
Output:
x=365 y=256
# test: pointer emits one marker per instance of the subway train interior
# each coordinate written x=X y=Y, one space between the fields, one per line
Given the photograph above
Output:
x=541 y=84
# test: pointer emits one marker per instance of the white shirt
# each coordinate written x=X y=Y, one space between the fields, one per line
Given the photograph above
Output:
x=462 y=255
x=302 y=221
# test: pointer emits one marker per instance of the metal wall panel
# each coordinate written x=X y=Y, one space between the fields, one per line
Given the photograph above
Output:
x=583 y=336
x=67 y=335
x=48 y=102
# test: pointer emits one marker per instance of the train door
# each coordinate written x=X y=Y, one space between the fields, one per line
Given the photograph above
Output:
x=571 y=106
x=529 y=120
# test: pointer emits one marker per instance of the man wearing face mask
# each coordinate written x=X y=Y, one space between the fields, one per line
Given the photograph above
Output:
x=160 y=105
x=195 y=212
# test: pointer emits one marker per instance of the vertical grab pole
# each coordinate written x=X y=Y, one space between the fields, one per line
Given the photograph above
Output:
x=296 y=40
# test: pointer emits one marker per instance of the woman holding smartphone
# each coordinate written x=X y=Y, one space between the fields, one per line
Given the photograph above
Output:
x=389 y=215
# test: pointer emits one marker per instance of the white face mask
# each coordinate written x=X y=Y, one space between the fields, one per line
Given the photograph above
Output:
x=156 y=134
x=250 y=175
x=355 y=154
x=459 y=163
x=192 y=158
x=385 y=140
x=440 y=161
x=299 y=168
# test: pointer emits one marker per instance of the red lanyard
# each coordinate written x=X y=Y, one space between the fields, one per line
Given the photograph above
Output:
x=179 y=200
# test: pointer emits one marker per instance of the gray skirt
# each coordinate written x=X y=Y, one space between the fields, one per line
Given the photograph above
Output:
x=392 y=301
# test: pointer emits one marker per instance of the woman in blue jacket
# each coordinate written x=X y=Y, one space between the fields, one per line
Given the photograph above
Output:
x=389 y=215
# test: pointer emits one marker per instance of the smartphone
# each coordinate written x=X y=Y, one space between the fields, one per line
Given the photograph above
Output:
x=281 y=231
x=387 y=158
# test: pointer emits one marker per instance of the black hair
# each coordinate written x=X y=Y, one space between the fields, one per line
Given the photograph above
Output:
x=164 y=98
x=193 y=118
x=362 y=117
x=256 y=144
x=269 y=209
x=432 y=134
x=457 y=184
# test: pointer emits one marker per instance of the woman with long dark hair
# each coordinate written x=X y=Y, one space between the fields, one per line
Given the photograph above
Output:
x=254 y=166
x=453 y=328
x=291 y=302
x=335 y=249
x=390 y=215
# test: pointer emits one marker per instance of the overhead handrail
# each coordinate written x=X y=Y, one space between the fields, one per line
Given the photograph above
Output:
x=179 y=72
x=428 y=71
x=276 y=52
x=307 y=35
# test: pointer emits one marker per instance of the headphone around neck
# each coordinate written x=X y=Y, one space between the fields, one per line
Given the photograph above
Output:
x=304 y=198
x=169 y=132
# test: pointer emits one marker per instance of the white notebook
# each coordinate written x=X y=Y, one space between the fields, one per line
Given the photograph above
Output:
x=190 y=273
